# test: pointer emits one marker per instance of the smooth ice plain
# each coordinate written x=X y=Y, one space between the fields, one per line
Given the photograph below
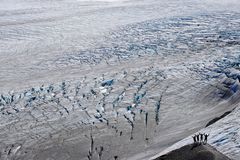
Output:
x=117 y=79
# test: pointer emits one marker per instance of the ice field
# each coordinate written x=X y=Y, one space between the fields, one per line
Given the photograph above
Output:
x=117 y=79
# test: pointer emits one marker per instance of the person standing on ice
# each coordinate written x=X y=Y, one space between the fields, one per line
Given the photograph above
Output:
x=194 y=138
x=201 y=137
x=205 y=138
x=197 y=137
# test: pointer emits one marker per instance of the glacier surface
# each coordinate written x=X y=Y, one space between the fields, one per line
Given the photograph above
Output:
x=116 y=79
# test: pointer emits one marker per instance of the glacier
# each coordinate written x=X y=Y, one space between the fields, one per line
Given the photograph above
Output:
x=117 y=79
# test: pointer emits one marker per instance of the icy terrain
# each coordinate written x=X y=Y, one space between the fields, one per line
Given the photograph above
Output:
x=115 y=79
x=224 y=136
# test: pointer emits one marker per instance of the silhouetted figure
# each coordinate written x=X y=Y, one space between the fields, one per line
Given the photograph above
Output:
x=197 y=137
x=115 y=157
x=206 y=138
x=196 y=141
x=194 y=138
x=201 y=137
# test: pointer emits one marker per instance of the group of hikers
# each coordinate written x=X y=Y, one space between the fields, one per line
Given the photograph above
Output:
x=200 y=138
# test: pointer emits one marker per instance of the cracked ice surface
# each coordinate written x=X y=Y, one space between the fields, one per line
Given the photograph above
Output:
x=151 y=77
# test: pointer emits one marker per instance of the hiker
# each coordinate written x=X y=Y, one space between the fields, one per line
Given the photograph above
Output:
x=197 y=137
x=201 y=137
x=205 y=138
x=194 y=138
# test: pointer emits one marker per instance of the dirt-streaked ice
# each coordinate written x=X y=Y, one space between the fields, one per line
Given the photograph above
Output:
x=116 y=79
